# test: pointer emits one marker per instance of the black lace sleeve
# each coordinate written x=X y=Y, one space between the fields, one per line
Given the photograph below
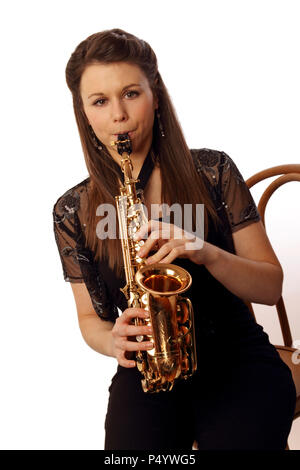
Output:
x=236 y=197
x=77 y=260
x=229 y=193
x=67 y=232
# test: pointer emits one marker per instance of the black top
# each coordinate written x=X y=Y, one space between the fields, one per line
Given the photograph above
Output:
x=223 y=323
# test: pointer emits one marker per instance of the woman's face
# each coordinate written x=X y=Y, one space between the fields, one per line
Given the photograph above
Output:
x=117 y=98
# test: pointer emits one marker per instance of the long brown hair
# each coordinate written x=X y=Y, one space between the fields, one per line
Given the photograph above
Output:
x=180 y=181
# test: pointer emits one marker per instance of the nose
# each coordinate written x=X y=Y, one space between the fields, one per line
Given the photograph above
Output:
x=119 y=112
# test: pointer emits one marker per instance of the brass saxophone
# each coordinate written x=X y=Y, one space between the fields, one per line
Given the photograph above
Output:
x=155 y=288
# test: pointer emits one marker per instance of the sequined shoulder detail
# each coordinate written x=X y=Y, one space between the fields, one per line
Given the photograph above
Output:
x=69 y=202
x=207 y=162
x=228 y=188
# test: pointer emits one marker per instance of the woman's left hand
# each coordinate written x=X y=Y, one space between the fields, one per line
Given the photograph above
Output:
x=173 y=242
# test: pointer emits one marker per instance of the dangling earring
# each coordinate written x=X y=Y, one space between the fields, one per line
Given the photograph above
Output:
x=162 y=132
x=95 y=139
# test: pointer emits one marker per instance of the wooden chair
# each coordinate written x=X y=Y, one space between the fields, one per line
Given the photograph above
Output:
x=290 y=172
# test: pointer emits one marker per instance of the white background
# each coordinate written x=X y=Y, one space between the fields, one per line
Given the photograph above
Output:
x=232 y=69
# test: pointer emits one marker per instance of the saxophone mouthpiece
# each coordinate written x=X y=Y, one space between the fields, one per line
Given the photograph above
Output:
x=123 y=143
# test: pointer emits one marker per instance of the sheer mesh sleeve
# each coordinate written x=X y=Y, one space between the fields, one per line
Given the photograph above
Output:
x=228 y=190
x=77 y=260
x=67 y=233
x=236 y=197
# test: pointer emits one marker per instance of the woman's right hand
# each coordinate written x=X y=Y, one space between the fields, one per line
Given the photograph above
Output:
x=123 y=328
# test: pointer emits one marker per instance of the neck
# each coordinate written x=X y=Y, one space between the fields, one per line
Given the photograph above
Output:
x=137 y=163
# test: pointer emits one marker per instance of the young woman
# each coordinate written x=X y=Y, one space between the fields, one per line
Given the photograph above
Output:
x=242 y=395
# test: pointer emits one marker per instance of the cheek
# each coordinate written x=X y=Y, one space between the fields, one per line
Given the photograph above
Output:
x=96 y=118
x=98 y=121
x=145 y=112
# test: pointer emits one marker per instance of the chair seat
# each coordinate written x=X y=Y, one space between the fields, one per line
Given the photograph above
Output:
x=286 y=355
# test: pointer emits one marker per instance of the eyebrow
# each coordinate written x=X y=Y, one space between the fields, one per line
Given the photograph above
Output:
x=125 y=87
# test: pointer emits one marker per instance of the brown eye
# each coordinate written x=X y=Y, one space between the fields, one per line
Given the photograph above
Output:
x=99 y=100
x=135 y=93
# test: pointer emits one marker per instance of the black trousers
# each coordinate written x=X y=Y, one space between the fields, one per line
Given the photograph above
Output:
x=246 y=406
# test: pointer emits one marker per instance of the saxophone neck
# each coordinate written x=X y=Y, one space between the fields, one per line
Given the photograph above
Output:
x=127 y=169
x=129 y=187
